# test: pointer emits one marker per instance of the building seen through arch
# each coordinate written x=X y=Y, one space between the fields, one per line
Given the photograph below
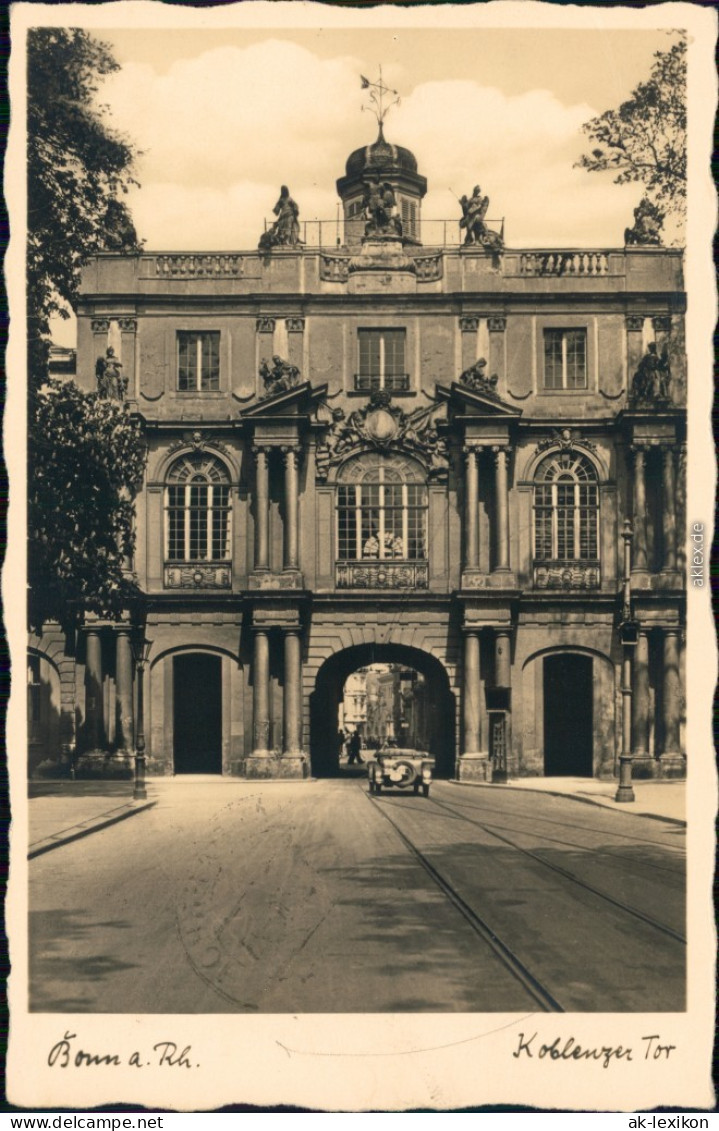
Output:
x=414 y=448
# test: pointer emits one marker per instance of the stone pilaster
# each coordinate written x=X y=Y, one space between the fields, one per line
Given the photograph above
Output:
x=502 y=659
x=295 y=341
x=635 y=335
x=261 y=696
x=473 y=764
x=128 y=331
x=469 y=326
x=292 y=702
x=496 y=325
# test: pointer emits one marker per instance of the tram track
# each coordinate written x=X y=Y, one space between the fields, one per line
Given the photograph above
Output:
x=538 y=992
x=565 y=873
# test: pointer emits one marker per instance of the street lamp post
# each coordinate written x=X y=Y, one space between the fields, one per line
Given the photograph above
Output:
x=628 y=636
x=141 y=652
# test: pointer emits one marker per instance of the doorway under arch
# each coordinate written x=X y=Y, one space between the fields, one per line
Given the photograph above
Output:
x=439 y=706
x=568 y=715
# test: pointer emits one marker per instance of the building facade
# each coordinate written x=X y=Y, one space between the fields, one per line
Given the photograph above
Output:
x=390 y=446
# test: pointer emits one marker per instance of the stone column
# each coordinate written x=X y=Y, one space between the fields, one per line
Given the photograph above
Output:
x=262 y=509
x=502 y=659
x=123 y=682
x=472 y=687
x=640 y=707
x=295 y=335
x=669 y=522
x=471 y=510
x=671 y=760
x=639 y=508
x=635 y=332
x=469 y=325
x=291 y=458
x=128 y=330
x=501 y=509
x=496 y=325
x=94 y=722
x=261 y=696
x=292 y=704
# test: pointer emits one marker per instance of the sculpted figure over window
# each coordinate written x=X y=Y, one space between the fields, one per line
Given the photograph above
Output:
x=651 y=382
x=285 y=232
x=476 y=378
x=111 y=384
x=279 y=376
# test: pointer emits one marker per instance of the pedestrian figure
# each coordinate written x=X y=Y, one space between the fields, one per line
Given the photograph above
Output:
x=353 y=749
x=340 y=743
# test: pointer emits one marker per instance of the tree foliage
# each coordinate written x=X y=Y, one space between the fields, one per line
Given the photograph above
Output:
x=78 y=169
x=87 y=458
x=644 y=140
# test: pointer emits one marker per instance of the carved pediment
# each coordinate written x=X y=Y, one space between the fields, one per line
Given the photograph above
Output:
x=468 y=402
x=299 y=400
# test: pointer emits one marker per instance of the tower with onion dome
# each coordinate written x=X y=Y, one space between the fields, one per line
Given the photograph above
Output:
x=381 y=164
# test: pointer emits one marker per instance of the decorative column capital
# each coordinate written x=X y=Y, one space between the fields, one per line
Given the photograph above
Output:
x=662 y=323
x=501 y=453
x=265 y=325
x=127 y=325
x=291 y=451
x=295 y=325
x=261 y=450
x=100 y=325
x=497 y=324
x=469 y=323
x=635 y=323
x=639 y=451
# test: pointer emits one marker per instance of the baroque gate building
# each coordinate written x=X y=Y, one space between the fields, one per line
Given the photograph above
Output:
x=379 y=444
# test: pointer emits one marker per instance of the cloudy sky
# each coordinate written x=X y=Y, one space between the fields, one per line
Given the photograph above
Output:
x=224 y=117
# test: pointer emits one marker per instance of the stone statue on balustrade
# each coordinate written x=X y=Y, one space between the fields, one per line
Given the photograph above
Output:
x=111 y=384
x=380 y=211
x=474 y=210
x=651 y=384
x=285 y=231
x=279 y=376
x=476 y=378
x=648 y=220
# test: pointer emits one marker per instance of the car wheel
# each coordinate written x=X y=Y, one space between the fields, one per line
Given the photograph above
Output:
x=425 y=789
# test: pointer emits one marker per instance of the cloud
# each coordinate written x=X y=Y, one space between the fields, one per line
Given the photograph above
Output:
x=221 y=131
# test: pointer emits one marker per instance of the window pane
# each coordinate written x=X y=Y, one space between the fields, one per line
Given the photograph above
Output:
x=187 y=368
x=576 y=359
x=175 y=523
x=210 y=360
x=553 y=359
x=220 y=523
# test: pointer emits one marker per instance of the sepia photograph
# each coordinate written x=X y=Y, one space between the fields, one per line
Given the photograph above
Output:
x=360 y=441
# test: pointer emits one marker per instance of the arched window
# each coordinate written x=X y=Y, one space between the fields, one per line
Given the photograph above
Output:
x=382 y=510
x=566 y=510
x=197 y=511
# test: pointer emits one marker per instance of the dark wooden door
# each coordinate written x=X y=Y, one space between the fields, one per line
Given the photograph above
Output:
x=198 y=714
x=568 y=716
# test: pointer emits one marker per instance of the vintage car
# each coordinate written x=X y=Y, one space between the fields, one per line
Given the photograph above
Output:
x=395 y=767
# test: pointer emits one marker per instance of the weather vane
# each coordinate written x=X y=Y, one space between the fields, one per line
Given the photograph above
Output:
x=378 y=105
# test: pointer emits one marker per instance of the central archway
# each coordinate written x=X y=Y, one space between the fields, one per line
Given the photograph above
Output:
x=325 y=701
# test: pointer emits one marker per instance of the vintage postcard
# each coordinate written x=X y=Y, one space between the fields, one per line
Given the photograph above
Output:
x=358 y=431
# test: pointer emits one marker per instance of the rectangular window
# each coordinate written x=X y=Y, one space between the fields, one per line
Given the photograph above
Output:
x=565 y=359
x=198 y=361
x=381 y=361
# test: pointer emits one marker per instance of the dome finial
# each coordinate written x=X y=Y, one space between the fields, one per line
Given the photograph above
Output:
x=378 y=104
